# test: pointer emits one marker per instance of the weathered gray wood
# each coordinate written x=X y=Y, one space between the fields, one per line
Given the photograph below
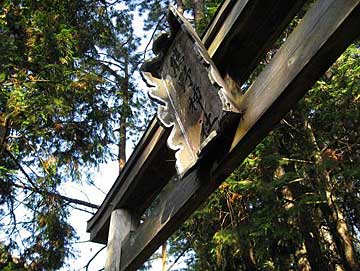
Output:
x=248 y=32
x=122 y=223
x=157 y=171
x=327 y=29
x=194 y=100
x=226 y=26
x=220 y=17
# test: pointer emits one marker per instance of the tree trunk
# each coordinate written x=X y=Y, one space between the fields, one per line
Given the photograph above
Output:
x=333 y=214
x=330 y=244
x=313 y=258
x=339 y=229
x=248 y=257
x=312 y=242
x=124 y=115
x=4 y=131
x=198 y=12
x=302 y=258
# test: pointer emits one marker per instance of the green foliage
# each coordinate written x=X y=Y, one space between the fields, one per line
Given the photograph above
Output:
x=49 y=243
x=156 y=9
x=63 y=93
x=210 y=7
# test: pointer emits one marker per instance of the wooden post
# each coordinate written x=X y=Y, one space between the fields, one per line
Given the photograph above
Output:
x=122 y=222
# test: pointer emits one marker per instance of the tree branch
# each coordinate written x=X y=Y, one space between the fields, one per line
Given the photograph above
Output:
x=178 y=257
x=111 y=71
x=86 y=267
x=4 y=130
x=109 y=62
x=36 y=189
x=152 y=36
x=22 y=170
x=80 y=209
x=57 y=195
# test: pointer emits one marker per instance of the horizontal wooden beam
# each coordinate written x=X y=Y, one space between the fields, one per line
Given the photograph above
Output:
x=323 y=34
x=139 y=182
x=247 y=33
x=220 y=17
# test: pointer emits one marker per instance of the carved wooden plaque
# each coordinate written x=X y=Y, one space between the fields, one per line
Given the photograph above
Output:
x=192 y=95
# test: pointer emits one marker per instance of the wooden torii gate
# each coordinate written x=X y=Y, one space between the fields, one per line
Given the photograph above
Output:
x=240 y=34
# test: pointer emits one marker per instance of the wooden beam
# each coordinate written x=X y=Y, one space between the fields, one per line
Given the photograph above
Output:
x=219 y=19
x=324 y=33
x=247 y=33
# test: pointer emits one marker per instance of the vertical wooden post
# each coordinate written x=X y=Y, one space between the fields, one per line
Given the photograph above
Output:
x=164 y=256
x=122 y=222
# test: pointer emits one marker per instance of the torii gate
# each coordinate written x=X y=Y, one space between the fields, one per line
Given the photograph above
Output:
x=240 y=34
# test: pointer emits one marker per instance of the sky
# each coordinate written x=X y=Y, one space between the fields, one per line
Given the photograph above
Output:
x=85 y=250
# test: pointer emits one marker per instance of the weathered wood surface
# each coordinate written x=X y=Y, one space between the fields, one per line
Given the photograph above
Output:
x=122 y=222
x=324 y=33
x=193 y=99
x=246 y=34
x=161 y=168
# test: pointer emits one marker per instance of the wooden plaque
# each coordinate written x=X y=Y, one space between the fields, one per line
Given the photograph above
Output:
x=192 y=95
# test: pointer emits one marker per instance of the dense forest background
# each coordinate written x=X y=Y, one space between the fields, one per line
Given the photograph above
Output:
x=69 y=100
